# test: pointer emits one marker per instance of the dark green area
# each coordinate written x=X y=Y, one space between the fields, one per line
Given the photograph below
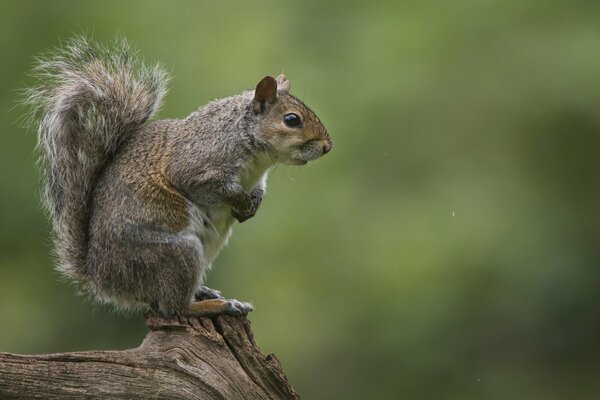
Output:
x=448 y=247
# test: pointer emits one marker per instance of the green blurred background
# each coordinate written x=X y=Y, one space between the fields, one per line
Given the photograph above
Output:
x=447 y=248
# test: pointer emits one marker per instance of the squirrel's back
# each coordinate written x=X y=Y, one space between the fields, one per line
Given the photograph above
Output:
x=89 y=100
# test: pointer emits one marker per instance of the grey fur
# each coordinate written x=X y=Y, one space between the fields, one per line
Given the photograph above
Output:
x=89 y=101
x=141 y=210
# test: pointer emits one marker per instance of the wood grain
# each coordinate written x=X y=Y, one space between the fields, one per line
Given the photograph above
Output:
x=180 y=358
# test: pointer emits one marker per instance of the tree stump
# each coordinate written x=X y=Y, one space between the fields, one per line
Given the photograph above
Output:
x=180 y=358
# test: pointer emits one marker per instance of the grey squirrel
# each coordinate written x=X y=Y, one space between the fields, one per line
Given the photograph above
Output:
x=140 y=210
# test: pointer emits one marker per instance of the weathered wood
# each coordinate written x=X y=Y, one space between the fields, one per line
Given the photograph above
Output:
x=180 y=358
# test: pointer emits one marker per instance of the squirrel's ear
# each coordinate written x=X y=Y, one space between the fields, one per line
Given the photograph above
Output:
x=265 y=93
x=283 y=85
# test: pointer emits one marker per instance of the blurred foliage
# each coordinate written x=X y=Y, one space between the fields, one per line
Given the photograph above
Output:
x=447 y=248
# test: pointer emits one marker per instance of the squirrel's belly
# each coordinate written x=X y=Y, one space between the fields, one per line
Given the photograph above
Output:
x=212 y=227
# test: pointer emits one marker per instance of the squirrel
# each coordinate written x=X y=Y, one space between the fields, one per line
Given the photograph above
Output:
x=141 y=209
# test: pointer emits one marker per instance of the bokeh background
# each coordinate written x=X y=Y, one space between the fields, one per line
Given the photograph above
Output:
x=447 y=248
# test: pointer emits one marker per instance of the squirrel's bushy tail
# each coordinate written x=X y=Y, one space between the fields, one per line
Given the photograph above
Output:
x=88 y=101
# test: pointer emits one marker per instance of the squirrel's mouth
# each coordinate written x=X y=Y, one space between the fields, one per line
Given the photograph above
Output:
x=308 y=152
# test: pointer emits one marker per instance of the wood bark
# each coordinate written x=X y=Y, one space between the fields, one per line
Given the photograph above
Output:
x=180 y=358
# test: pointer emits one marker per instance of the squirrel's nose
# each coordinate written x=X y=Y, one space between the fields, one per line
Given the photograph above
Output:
x=327 y=147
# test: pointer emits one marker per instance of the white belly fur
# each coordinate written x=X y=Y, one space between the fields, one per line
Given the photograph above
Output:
x=210 y=229
x=209 y=234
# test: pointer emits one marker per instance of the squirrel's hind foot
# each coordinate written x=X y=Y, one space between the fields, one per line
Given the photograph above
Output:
x=210 y=302
x=214 y=307
x=206 y=293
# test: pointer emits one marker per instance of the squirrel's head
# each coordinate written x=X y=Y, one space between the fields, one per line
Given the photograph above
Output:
x=288 y=125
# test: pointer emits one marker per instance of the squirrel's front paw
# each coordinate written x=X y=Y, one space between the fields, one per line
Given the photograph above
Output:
x=242 y=216
x=256 y=197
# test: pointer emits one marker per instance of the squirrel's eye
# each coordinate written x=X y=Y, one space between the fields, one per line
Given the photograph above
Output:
x=292 y=120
